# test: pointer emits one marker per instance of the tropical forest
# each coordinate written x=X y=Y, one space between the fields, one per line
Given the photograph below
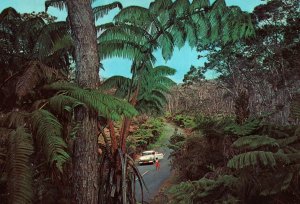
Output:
x=149 y=102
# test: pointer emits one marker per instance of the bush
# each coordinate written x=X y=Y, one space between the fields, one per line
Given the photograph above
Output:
x=254 y=162
x=184 y=121
x=148 y=133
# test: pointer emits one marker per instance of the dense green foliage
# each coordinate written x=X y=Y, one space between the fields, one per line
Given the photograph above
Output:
x=227 y=162
x=184 y=121
x=146 y=134
x=262 y=72
x=37 y=111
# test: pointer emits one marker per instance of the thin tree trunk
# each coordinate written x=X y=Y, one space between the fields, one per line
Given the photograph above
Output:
x=85 y=168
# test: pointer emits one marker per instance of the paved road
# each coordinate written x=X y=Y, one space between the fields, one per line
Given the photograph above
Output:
x=154 y=179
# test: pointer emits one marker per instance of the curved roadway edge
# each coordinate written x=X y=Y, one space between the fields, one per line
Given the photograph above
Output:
x=154 y=179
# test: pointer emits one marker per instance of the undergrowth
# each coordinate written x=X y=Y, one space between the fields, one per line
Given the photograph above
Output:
x=224 y=162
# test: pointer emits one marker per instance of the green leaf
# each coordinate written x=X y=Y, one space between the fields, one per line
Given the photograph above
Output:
x=19 y=170
x=48 y=135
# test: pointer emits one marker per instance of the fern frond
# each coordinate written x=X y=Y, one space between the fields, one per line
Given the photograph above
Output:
x=132 y=33
x=13 y=120
x=134 y=15
x=61 y=4
x=166 y=42
x=49 y=37
x=179 y=34
x=48 y=134
x=35 y=73
x=65 y=42
x=104 y=104
x=158 y=6
x=19 y=170
x=254 y=158
x=255 y=141
x=199 y=4
x=124 y=49
x=192 y=33
x=248 y=128
x=180 y=7
x=60 y=104
x=101 y=28
x=119 y=82
x=101 y=11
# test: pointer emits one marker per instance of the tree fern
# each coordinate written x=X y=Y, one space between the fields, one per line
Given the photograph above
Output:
x=61 y=4
x=106 y=105
x=257 y=158
x=255 y=141
x=47 y=132
x=19 y=168
x=199 y=4
x=248 y=128
x=124 y=49
x=166 y=42
x=49 y=37
x=203 y=190
x=60 y=104
x=100 y=11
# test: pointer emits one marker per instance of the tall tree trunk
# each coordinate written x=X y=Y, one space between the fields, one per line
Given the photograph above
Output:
x=85 y=168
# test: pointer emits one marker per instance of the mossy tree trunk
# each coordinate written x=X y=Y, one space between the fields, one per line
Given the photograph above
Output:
x=85 y=167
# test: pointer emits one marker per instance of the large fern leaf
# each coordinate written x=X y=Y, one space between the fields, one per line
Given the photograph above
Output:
x=60 y=104
x=13 y=119
x=106 y=105
x=257 y=158
x=48 y=135
x=20 y=171
x=61 y=4
x=35 y=73
x=100 y=11
x=255 y=141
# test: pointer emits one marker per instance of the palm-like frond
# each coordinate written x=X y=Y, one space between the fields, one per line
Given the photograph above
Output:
x=121 y=31
x=13 y=119
x=255 y=141
x=106 y=105
x=260 y=158
x=159 y=6
x=19 y=168
x=48 y=134
x=135 y=15
x=199 y=4
x=60 y=104
x=118 y=82
x=61 y=4
x=49 y=36
x=100 y=11
x=166 y=42
x=180 y=7
x=35 y=72
x=124 y=49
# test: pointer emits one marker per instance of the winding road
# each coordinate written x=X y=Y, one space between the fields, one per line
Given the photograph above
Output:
x=154 y=179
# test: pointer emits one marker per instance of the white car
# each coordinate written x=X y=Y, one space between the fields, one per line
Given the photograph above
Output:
x=150 y=157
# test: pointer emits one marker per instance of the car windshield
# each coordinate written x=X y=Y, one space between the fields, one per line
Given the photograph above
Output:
x=147 y=153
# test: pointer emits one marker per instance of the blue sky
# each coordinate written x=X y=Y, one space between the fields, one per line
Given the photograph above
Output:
x=182 y=59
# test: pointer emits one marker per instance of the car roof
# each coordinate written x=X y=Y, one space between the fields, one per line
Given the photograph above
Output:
x=148 y=151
